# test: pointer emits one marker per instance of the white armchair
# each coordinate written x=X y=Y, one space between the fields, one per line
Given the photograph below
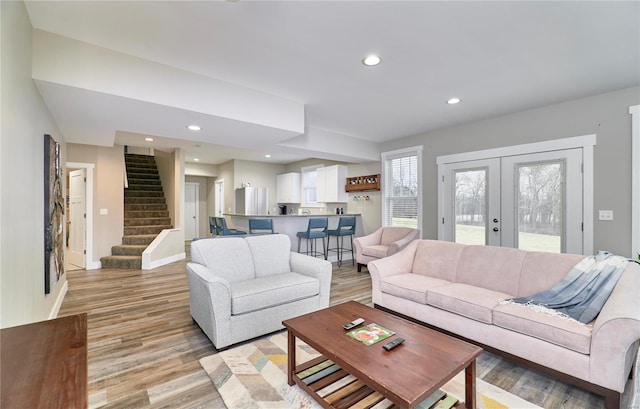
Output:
x=382 y=243
x=245 y=286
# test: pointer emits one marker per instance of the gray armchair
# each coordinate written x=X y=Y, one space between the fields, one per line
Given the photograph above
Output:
x=244 y=287
x=382 y=243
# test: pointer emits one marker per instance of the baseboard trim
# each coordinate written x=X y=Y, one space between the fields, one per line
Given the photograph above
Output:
x=94 y=265
x=56 y=306
x=165 y=261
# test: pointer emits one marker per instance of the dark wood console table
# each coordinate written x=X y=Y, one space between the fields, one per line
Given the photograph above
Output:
x=44 y=364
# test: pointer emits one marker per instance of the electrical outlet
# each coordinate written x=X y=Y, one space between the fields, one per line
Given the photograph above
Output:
x=605 y=215
x=104 y=211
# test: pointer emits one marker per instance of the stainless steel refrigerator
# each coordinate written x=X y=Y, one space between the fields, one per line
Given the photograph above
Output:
x=252 y=201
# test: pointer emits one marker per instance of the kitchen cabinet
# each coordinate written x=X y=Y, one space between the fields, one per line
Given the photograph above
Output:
x=288 y=188
x=330 y=184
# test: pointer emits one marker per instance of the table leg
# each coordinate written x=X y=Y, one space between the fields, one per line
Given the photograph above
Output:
x=291 y=356
x=470 y=385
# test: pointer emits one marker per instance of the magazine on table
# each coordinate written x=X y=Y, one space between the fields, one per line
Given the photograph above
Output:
x=370 y=333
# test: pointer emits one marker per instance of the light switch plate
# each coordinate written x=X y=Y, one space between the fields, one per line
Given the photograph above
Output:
x=104 y=211
x=605 y=215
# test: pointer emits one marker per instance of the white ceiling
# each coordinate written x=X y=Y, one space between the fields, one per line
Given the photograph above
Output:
x=498 y=57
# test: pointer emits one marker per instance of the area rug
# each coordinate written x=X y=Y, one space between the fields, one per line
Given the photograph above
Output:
x=253 y=376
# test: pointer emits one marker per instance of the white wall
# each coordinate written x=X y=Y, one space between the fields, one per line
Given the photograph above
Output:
x=24 y=120
x=606 y=115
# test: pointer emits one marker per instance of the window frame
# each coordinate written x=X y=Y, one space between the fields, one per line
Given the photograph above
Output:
x=303 y=196
x=387 y=181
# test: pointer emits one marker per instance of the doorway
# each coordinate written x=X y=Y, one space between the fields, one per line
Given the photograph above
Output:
x=76 y=227
x=86 y=259
x=191 y=213
x=219 y=184
x=534 y=199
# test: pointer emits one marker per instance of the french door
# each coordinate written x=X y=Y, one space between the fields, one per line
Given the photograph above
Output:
x=531 y=202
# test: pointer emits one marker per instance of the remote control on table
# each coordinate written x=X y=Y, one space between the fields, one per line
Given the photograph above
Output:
x=353 y=323
x=390 y=345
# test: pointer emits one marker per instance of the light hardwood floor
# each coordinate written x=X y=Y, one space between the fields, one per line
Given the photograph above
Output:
x=143 y=345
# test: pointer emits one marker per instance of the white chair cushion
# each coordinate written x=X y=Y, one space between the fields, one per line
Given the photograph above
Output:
x=379 y=251
x=271 y=254
x=264 y=292
x=228 y=257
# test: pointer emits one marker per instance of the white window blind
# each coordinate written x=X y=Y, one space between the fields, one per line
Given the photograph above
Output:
x=309 y=179
x=401 y=175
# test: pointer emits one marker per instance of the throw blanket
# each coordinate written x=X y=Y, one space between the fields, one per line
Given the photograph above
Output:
x=584 y=290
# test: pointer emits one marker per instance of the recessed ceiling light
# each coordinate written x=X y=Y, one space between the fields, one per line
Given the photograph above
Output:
x=193 y=128
x=371 y=60
x=267 y=156
x=148 y=139
x=453 y=101
x=196 y=160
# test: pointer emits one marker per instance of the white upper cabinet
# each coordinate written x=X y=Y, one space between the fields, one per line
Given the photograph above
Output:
x=330 y=184
x=288 y=188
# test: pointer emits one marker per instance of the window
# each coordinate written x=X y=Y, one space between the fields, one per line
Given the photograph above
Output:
x=402 y=187
x=309 y=180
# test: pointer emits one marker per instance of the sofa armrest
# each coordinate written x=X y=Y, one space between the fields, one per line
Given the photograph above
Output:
x=368 y=240
x=209 y=301
x=616 y=331
x=314 y=267
x=398 y=245
x=399 y=263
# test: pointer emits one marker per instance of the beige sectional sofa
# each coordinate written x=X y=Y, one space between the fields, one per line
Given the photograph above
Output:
x=458 y=288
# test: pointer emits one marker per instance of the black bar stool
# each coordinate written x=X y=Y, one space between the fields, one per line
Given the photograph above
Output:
x=316 y=229
x=346 y=227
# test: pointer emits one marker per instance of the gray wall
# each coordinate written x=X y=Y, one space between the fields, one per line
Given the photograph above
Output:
x=606 y=115
x=24 y=121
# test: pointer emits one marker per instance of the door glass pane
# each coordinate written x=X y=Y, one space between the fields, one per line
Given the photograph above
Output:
x=470 y=206
x=540 y=206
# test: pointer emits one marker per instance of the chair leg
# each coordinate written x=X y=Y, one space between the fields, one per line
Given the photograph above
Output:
x=324 y=249
x=339 y=242
x=299 y=244
x=353 y=259
x=360 y=267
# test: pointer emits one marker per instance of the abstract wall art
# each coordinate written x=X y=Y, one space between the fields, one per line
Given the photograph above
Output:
x=53 y=215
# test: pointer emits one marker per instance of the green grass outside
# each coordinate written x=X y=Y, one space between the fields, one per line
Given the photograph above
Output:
x=527 y=241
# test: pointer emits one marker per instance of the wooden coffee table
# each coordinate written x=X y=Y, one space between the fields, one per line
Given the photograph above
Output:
x=406 y=375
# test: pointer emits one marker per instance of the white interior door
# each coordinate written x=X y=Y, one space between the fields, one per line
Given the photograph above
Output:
x=77 y=218
x=192 y=220
x=219 y=197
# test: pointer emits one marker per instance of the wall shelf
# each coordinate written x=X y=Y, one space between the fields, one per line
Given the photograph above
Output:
x=363 y=183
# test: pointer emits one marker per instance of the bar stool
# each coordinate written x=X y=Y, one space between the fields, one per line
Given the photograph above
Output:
x=316 y=229
x=225 y=231
x=346 y=227
x=260 y=226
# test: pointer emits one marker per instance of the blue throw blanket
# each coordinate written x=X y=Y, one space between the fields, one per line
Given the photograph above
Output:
x=584 y=290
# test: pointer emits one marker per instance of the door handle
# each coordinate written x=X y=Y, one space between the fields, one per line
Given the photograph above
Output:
x=496 y=229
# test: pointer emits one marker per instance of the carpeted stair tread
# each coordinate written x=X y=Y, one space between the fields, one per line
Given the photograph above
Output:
x=141 y=207
x=147 y=221
x=144 y=200
x=138 y=239
x=135 y=230
x=144 y=187
x=143 y=193
x=129 y=262
x=136 y=175
x=130 y=214
x=147 y=181
x=128 y=250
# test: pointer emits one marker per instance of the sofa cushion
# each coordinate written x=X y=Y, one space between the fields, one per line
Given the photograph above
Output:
x=410 y=286
x=540 y=271
x=270 y=253
x=391 y=235
x=378 y=251
x=466 y=300
x=558 y=330
x=494 y=268
x=437 y=259
x=270 y=291
x=228 y=257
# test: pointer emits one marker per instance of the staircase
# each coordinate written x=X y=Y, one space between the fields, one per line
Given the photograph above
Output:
x=145 y=213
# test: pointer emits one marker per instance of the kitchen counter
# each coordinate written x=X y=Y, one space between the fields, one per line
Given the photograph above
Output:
x=290 y=224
